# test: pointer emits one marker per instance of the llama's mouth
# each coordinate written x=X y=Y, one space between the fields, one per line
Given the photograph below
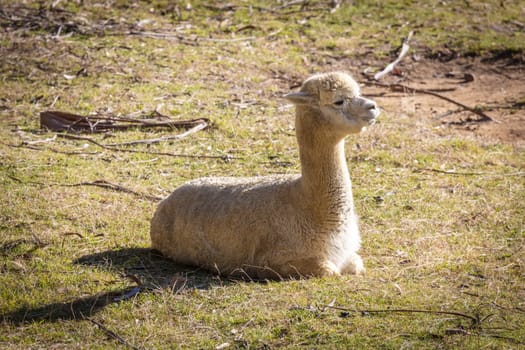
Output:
x=369 y=120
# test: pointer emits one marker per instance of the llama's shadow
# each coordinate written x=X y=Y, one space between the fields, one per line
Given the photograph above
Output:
x=149 y=268
x=146 y=268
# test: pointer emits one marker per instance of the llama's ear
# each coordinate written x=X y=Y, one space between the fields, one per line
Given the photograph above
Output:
x=299 y=98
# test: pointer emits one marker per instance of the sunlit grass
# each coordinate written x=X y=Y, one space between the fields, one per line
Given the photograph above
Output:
x=442 y=216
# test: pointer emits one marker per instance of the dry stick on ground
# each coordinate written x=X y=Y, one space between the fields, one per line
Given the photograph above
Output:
x=160 y=35
x=451 y=172
x=96 y=183
x=50 y=139
x=127 y=150
x=484 y=108
x=513 y=340
x=405 y=88
x=385 y=94
x=303 y=3
x=169 y=36
x=181 y=38
x=111 y=186
x=475 y=320
x=225 y=158
x=404 y=50
x=193 y=130
x=111 y=333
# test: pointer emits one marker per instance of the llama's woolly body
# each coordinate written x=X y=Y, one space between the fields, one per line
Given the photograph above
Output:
x=277 y=226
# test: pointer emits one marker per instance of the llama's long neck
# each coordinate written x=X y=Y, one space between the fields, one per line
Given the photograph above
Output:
x=325 y=180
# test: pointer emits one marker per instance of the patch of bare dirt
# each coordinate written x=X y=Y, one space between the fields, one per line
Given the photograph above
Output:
x=493 y=88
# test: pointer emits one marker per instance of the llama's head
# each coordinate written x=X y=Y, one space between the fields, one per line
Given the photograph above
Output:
x=337 y=99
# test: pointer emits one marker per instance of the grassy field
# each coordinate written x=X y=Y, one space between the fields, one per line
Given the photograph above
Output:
x=442 y=215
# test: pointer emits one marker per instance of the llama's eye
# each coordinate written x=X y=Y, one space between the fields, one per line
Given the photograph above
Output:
x=339 y=102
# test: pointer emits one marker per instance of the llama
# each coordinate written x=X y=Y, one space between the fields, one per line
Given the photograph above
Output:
x=275 y=227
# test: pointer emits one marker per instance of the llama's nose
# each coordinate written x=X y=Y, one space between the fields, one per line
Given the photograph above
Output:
x=370 y=105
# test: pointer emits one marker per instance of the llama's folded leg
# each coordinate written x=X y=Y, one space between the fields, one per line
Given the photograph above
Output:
x=353 y=265
x=310 y=267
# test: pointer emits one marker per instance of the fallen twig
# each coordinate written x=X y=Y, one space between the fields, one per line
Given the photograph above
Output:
x=461 y=331
x=402 y=87
x=130 y=294
x=193 y=130
x=96 y=183
x=484 y=108
x=158 y=35
x=72 y=234
x=231 y=7
x=404 y=50
x=385 y=94
x=225 y=157
x=447 y=113
x=303 y=3
x=35 y=142
x=496 y=336
x=111 y=333
x=452 y=172
x=83 y=138
x=111 y=186
x=181 y=38
x=475 y=320
x=232 y=40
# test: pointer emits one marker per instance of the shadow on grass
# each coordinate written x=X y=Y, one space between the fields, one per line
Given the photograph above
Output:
x=147 y=268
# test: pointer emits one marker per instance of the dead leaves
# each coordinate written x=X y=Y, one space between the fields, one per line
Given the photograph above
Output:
x=70 y=122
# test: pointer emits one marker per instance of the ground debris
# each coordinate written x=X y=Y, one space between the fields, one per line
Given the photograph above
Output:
x=25 y=246
x=53 y=20
x=65 y=121
x=402 y=53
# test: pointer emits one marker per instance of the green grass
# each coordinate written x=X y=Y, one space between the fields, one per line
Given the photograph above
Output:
x=431 y=240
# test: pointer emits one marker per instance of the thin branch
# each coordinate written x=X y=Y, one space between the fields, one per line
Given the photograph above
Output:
x=303 y=3
x=193 y=130
x=156 y=35
x=402 y=54
x=35 y=142
x=496 y=336
x=402 y=87
x=232 y=40
x=475 y=320
x=447 y=113
x=96 y=183
x=112 y=334
x=225 y=157
x=67 y=136
x=88 y=139
x=181 y=38
x=461 y=331
x=385 y=94
x=72 y=234
x=111 y=186
x=33 y=148
x=230 y=7
x=451 y=172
